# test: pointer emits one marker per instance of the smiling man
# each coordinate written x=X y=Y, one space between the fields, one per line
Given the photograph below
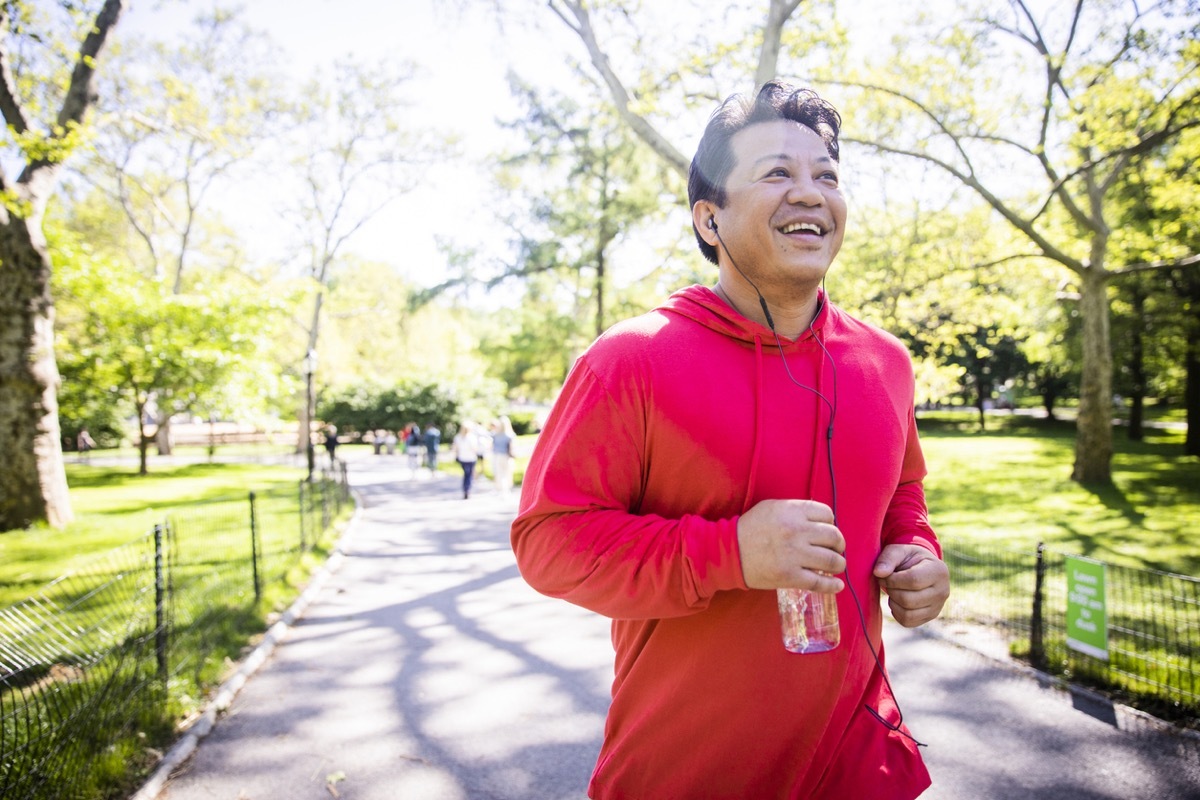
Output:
x=737 y=440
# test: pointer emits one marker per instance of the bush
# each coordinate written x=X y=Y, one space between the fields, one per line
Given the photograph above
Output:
x=523 y=422
x=361 y=408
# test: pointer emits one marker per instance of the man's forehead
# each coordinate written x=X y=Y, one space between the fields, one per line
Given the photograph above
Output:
x=776 y=139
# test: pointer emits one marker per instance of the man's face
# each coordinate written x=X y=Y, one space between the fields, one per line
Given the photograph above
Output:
x=784 y=217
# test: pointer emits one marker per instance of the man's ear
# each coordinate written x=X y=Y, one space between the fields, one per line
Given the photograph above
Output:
x=704 y=216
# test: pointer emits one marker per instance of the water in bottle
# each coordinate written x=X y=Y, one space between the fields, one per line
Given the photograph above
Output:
x=809 y=619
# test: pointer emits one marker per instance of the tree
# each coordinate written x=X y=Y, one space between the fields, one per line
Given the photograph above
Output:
x=145 y=345
x=45 y=101
x=354 y=155
x=638 y=108
x=606 y=186
x=1052 y=348
x=1157 y=217
x=1119 y=82
x=989 y=358
x=183 y=119
x=1113 y=82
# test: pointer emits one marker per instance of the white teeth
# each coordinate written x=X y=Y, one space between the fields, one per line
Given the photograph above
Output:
x=803 y=226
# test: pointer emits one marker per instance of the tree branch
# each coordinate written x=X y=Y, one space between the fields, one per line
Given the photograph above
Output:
x=1016 y=220
x=582 y=27
x=1150 y=266
x=80 y=97
x=768 y=55
x=80 y=93
x=14 y=115
x=928 y=113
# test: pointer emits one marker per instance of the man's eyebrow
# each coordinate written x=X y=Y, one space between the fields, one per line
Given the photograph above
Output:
x=775 y=157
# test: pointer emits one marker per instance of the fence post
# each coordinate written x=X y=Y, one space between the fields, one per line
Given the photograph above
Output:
x=254 y=550
x=303 y=519
x=326 y=515
x=1037 y=648
x=160 y=607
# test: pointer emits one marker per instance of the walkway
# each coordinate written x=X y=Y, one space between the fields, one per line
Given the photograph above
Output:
x=426 y=669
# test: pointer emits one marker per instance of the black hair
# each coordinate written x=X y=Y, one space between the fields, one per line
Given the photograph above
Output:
x=714 y=156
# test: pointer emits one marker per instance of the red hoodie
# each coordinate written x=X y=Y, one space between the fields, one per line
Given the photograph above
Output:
x=668 y=428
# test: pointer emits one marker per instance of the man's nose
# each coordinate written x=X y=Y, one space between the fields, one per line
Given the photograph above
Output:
x=804 y=191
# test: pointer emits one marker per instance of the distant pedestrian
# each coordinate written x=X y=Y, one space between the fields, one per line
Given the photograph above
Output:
x=412 y=446
x=433 y=440
x=331 y=443
x=84 y=444
x=466 y=453
x=502 y=455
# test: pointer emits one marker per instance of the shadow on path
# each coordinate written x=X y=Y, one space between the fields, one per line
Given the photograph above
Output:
x=427 y=669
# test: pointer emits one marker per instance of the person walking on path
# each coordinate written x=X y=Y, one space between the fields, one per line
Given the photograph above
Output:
x=466 y=449
x=84 y=443
x=412 y=446
x=433 y=441
x=331 y=444
x=502 y=455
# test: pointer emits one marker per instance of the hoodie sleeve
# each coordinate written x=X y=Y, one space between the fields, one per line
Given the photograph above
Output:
x=577 y=535
x=907 y=518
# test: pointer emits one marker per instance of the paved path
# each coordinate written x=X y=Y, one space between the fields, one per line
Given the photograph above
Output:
x=426 y=669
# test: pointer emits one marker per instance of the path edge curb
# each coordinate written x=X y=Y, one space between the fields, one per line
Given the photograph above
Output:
x=225 y=694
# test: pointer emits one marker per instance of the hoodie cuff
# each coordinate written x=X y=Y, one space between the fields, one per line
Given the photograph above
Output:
x=921 y=539
x=711 y=552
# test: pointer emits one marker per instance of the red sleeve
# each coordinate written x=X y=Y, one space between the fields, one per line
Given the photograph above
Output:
x=576 y=536
x=907 y=518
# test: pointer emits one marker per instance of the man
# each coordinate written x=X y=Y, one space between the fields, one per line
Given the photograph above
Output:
x=433 y=440
x=734 y=441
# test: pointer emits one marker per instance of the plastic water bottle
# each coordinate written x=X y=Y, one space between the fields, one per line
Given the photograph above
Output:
x=809 y=620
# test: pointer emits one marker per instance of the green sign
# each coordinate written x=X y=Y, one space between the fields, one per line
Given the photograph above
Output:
x=1087 y=614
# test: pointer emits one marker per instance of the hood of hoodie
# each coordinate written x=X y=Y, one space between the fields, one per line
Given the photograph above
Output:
x=702 y=305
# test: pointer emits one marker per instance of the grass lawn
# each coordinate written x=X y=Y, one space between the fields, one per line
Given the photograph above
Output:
x=1011 y=485
x=101 y=702
x=114 y=505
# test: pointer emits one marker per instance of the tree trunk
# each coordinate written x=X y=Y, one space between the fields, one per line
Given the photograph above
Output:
x=1191 y=392
x=1137 y=368
x=1093 y=435
x=164 y=441
x=144 y=438
x=304 y=430
x=33 y=480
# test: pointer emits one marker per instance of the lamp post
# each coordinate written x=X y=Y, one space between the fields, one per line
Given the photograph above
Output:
x=310 y=366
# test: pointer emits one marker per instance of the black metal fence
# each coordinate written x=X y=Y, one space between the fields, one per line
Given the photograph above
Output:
x=1132 y=633
x=103 y=662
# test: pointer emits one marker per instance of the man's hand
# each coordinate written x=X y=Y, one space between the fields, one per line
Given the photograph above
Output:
x=916 y=582
x=788 y=544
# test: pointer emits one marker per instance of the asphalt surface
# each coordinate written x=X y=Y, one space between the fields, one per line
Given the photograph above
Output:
x=423 y=668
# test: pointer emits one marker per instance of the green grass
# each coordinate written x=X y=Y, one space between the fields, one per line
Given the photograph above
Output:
x=1011 y=485
x=216 y=616
x=114 y=505
x=995 y=495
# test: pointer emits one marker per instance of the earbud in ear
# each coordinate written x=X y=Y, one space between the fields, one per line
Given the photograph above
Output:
x=712 y=223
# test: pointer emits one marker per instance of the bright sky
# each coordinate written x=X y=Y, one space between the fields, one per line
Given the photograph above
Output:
x=456 y=51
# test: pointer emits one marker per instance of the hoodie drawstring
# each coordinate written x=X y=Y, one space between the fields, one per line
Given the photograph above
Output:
x=758 y=423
